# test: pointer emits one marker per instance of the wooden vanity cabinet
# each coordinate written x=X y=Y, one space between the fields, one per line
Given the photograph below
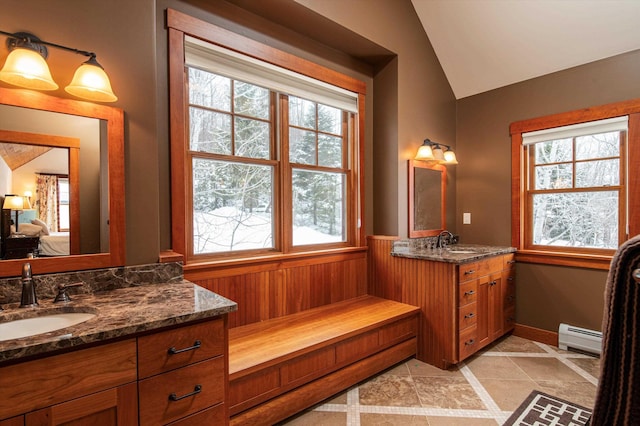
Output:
x=486 y=302
x=126 y=383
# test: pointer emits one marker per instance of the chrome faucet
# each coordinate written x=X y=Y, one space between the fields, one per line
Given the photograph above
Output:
x=28 y=299
x=440 y=242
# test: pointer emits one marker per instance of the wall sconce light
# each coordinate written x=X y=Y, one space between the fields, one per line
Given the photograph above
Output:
x=433 y=152
x=16 y=203
x=26 y=66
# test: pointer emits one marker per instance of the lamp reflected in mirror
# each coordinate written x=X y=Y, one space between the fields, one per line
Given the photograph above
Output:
x=17 y=204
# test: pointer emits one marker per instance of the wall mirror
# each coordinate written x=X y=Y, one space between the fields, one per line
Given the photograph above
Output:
x=427 y=206
x=79 y=146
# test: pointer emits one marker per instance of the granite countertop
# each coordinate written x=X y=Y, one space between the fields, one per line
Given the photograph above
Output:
x=457 y=253
x=119 y=313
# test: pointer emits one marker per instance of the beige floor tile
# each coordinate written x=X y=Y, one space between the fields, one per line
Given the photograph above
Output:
x=517 y=344
x=369 y=419
x=398 y=370
x=447 y=392
x=496 y=367
x=546 y=369
x=338 y=399
x=419 y=368
x=460 y=421
x=388 y=390
x=318 y=418
x=590 y=365
x=582 y=393
x=508 y=394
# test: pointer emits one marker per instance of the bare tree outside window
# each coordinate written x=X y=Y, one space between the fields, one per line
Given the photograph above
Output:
x=576 y=191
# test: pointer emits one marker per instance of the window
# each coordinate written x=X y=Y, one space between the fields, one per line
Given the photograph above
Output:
x=271 y=154
x=571 y=192
x=63 y=203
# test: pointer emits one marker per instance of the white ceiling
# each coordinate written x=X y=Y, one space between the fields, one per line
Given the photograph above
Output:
x=486 y=44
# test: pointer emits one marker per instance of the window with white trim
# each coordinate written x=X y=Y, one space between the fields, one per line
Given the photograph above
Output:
x=575 y=187
x=271 y=156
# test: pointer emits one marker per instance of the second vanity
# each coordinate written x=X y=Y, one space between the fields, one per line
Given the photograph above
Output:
x=154 y=353
x=466 y=293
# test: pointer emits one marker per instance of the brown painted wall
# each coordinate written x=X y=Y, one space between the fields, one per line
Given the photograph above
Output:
x=547 y=295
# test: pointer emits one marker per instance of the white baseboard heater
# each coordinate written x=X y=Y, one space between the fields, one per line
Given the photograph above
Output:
x=582 y=339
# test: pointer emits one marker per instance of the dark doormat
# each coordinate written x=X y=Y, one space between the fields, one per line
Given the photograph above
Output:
x=540 y=409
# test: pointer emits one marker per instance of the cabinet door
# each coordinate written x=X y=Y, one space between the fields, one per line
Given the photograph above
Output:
x=496 y=306
x=483 y=311
x=117 y=406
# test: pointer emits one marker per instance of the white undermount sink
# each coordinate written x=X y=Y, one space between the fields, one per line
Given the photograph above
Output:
x=42 y=324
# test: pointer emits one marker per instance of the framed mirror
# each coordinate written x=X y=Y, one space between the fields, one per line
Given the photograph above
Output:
x=427 y=199
x=38 y=133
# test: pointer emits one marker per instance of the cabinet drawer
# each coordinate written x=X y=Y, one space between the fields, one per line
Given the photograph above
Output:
x=467 y=315
x=31 y=385
x=244 y=391
x=468 y=272
x=509 y=261
x=156 y=405
x=468 y=342
x=155 y=355
x=211 y=416
x=467 y=292
x=509 y=318
x=398 y=331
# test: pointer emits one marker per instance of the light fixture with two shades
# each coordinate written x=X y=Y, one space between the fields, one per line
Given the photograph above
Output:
x=433 y=152
x=26 y=66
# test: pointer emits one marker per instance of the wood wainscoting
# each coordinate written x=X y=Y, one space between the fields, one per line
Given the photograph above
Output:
x=266 y=289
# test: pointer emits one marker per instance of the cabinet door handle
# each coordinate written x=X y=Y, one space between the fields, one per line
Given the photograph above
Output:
x=469 y=272
x=173 y=351
x=471 y=315
x=492 y=283
x=469 y=293
x=196 y=390
x=470 y=342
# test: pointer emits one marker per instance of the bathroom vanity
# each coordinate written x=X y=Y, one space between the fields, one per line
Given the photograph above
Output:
x=466 y=293
x=153 y=353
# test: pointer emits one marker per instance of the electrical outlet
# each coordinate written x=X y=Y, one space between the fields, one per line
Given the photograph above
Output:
x=466 y=218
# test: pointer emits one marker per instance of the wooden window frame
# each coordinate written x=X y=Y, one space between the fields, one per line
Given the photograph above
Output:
x=181 y=25
x=519 y=231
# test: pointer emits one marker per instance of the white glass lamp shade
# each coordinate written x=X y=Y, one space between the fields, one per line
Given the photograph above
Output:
x=92 y=83
x=27 y=68
x=425 y=153
x=450 y=157
x=438 y=154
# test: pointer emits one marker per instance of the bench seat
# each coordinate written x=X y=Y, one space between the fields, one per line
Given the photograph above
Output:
x=283 y=365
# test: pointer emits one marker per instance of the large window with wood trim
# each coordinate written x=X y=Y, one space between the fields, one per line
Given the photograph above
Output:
x=571 y=191
x=271 y=156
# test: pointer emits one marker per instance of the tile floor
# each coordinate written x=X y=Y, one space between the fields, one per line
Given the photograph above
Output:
x=483 y=390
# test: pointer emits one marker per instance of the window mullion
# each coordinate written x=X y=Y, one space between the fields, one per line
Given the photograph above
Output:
x=285 y=184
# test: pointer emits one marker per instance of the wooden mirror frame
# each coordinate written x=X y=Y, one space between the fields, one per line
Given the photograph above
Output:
x=114 y=117
x=417 y=164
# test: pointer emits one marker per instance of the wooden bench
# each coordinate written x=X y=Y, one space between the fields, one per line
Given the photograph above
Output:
x=282 y=366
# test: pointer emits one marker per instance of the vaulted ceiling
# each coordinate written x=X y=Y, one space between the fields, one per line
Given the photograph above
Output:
x=487 y=44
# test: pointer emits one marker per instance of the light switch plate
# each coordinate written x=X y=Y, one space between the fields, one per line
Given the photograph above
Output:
x=466 y=218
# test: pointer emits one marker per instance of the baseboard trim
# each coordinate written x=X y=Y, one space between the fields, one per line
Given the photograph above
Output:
x=536 y=334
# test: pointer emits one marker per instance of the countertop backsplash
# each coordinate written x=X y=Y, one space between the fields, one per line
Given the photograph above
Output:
x=95 y=280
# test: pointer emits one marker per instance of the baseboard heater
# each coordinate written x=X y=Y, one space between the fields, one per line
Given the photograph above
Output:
x=582 y=339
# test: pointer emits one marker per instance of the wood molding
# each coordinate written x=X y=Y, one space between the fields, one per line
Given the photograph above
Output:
x=536 y=334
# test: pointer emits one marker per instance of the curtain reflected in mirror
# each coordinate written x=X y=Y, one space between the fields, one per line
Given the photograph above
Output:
x=427 y=206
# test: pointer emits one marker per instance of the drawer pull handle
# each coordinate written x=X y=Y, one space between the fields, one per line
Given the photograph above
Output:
x=196 y=390
x=511 y=262
x=471 y=315
x=469 y=293
x=196 y=345
x=469 y=272
x=510 y=279
x=470 y=342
